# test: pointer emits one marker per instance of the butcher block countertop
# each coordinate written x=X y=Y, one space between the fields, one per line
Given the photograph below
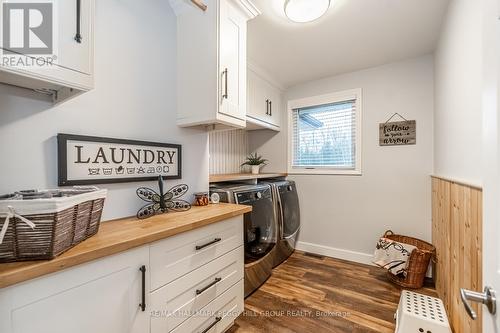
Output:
x=230 y=177
x=121 y=235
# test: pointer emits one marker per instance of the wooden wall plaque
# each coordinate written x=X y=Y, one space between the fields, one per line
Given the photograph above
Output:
x=398 y=133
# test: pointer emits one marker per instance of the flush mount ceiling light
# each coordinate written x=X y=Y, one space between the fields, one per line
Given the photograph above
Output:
x=302 y=11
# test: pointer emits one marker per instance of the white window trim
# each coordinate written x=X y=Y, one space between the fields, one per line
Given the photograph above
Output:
x=320 y=100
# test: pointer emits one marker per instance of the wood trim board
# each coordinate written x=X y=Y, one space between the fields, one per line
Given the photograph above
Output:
x=457 y=235
x=243 y=176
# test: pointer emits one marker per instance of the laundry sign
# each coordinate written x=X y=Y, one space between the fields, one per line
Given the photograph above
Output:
x=398 y=133
x=84 y=160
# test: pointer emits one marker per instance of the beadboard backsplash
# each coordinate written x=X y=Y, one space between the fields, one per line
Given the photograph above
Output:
x=228 y=150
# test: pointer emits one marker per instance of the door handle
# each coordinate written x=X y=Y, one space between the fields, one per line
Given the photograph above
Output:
x=225 y=73
x=78 y=36
x=267 y=106
x=487 y=298
x=270 y=107
x=143 y=288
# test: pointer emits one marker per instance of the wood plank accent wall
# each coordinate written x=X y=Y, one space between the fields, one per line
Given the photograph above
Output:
x=228 y=149
x=457 y=235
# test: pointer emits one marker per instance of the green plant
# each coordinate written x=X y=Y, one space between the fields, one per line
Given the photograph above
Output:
x=254 y=159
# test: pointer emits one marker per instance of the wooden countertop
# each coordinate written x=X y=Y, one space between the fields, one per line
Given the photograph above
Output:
x=243 y=176
x=121 y=235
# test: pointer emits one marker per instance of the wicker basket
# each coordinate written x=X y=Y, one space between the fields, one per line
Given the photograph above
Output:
x=44 y=228
x=417 y=264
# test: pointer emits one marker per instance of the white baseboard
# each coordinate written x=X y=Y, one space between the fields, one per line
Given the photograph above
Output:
x=363 y=258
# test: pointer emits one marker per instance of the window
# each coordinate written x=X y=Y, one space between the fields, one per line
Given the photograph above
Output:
x=325 y=134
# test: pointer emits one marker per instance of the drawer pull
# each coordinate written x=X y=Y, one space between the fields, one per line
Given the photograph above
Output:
x=199 y=247
x=217 y=319
x=199 y=291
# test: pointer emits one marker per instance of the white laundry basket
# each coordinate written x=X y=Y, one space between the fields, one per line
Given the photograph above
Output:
x=421 y=314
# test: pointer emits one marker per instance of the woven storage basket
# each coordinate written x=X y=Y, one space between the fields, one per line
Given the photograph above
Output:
x=417 y=264
x=60 y=223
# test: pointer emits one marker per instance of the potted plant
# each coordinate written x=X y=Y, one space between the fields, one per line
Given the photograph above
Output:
x=256 y=162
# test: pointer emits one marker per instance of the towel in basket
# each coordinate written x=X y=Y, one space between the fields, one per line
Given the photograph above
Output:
x=392 y=255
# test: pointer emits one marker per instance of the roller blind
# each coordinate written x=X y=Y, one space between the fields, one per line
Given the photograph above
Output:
x=324 y=136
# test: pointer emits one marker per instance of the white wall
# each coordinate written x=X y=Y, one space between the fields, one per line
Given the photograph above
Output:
x=227 y=150
x=458 y=81
x=134 y=98
x=344 y=215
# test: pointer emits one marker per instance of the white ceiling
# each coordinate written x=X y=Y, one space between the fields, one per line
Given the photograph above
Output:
x=353 y=35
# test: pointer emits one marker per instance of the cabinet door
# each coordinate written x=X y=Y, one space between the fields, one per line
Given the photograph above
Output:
x=101 y=296
x=71 y=54
x=275 y=106
x=75 y=55
x=232 y=61
x=264 y=101
x=258 y=105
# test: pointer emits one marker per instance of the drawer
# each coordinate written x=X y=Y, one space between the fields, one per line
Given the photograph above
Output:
x=176 y=256
x=180 y=299
x=217 y=316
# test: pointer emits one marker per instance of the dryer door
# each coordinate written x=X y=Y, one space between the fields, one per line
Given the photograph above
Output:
x=290 y=209
x=260 y=224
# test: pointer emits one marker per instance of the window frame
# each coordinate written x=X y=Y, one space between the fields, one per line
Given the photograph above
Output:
x=336 y=97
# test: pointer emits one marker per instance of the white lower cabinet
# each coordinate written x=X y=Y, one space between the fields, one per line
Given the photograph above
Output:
x=99 y=297
x=176 y=256
x=193 y=282
x=187 y=296
x=218 y=315
x=196 y=274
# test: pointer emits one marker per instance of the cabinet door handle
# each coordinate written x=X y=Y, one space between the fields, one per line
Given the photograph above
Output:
x=225 y=73
x=271 y=108
x=199 y=247
x=217 y=319
x=200 y=291
x=143 y=288
x=267 y=106
x=78 y=36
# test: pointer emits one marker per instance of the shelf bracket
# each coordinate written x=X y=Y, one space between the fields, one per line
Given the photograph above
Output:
x=200 y=4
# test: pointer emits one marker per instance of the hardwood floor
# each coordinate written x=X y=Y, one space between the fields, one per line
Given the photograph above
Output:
x=320 y=294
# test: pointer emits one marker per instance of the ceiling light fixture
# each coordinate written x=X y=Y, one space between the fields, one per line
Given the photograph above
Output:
x=302 y=11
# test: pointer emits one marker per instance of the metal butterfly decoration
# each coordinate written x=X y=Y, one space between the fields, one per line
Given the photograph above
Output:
x=163 y=202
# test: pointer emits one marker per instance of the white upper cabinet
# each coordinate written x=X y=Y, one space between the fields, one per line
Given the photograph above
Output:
x=73 y=42
x=75 y=55
x=232 y=46
x=211 y=55
x=264 y=104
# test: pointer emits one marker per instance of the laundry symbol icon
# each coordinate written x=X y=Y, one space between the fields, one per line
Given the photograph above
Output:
x=159 y=169
x=120 y=170
x=130 y=171
x=94 y=171
x=166 y=169
x=107 y=171
x=141 y=170
x=151 y=170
